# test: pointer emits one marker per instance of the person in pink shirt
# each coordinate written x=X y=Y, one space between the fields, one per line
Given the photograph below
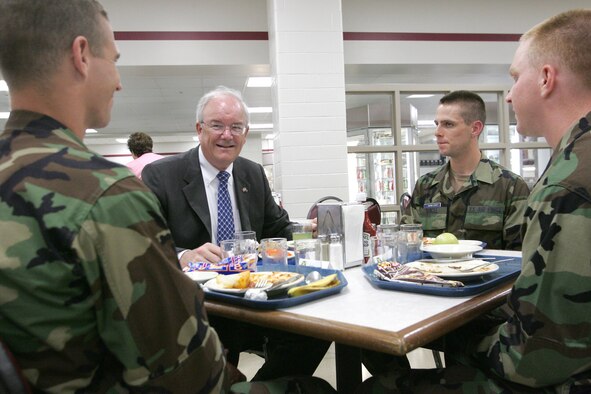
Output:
x=140 y=145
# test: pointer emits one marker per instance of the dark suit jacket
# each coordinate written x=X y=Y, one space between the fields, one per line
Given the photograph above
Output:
x=178 y=184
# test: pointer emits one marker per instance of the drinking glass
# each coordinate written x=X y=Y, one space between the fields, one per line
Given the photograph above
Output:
x=306 y=253
x=274 y=251
x=243 y=248
x=411 y=237
x=302 y=229
x=387 y=235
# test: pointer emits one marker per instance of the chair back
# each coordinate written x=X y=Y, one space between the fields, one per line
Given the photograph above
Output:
x=11 y=379
x=374 y=211
x=313 y=212
x=405 y=203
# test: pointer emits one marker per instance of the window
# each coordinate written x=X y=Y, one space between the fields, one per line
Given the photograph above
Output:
x=391 y=143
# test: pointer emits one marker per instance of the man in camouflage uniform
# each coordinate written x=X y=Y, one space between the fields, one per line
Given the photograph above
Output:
x=470 y=196
x=92 y=298
x=543 y=345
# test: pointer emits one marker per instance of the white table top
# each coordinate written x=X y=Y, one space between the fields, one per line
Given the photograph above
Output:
x=368 y=317
x=362 y=304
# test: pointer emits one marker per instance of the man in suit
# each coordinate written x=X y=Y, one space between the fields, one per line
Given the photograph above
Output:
x=189 y=188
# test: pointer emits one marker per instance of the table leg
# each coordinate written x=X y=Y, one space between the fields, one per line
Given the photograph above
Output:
x=348 y=365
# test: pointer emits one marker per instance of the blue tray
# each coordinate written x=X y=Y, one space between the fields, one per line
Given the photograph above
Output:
x=283 y=301
x=507 y=270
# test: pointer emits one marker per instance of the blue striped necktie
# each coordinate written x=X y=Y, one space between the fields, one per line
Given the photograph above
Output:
x=225 y=217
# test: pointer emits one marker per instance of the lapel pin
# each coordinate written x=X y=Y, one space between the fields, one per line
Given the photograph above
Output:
x=244 y=190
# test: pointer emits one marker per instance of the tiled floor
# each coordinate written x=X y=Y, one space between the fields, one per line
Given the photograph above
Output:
x=250 y=363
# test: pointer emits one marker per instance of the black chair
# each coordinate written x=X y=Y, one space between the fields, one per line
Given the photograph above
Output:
x=11 y=379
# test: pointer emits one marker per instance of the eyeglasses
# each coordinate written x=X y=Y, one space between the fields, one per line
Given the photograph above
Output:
x=236 y=129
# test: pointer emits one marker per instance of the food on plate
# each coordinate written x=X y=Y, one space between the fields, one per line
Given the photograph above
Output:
x=234 y=281
x=445 y=238
x=393 y=271
x=321 y=284
x=273 y=277
x=247 y=279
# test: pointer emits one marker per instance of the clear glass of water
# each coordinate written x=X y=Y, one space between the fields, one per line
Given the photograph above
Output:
x=411 y=237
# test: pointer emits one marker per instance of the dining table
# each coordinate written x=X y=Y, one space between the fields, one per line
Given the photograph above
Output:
x=363 y=316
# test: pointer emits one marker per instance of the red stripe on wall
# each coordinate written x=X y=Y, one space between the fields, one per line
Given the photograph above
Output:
x=347 y=36
x=361 y=36
x=191 y=35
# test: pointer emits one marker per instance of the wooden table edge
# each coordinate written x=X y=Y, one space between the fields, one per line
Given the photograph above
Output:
x=397 y=343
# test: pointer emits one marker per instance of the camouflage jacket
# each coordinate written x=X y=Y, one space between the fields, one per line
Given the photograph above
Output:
x=546 y=340
x=91 y=295
x=489 y=207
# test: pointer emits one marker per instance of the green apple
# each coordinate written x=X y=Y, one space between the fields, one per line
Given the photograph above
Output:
x=445 y=238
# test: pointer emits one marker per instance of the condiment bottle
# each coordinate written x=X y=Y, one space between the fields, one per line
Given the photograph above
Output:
x=322 y=252
x=369 y=229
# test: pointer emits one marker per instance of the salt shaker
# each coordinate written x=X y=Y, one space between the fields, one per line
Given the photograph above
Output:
x=322 y=253
x=336 y=252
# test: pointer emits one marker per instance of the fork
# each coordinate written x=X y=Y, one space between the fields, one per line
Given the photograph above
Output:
x=483 y=265
x=260 y=283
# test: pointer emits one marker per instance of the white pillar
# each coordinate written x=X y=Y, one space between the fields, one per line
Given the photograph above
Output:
x=309 y=111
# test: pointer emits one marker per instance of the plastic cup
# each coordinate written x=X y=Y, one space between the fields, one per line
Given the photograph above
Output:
x=274 y=252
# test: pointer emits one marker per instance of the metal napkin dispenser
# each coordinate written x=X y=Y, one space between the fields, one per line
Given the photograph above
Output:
x=345 y=219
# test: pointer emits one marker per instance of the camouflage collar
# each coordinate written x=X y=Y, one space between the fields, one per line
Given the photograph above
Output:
x=487 y=171
x=39 y=124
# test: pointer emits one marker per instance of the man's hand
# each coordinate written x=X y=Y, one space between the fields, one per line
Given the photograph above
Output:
x=207 y=253
x=234 y=374
x=315 y=227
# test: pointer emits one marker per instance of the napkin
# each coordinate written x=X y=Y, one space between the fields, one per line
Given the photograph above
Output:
x=325 y=283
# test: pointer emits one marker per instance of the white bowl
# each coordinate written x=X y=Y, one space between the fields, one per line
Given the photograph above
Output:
x=452 y=251
x=470 y=242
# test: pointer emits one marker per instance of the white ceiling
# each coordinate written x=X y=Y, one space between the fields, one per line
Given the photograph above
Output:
x=161 y=100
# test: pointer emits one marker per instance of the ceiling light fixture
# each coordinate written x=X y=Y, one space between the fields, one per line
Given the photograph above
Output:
x=420 y=95
x=91 y=131
x=4 y=115
x=3 y=86
x=259 y=82
x=121 y=140
x=260 y=110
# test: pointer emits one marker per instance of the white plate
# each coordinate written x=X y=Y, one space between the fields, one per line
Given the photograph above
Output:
x=298 y=278
x=452 y=270
x=213 y=285
x=201 y=276
x=452 y=251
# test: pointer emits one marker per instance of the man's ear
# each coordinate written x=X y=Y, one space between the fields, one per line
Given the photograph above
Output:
x=80 y=55
x=199 y=128
x=547 y=80
x=477 y=127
